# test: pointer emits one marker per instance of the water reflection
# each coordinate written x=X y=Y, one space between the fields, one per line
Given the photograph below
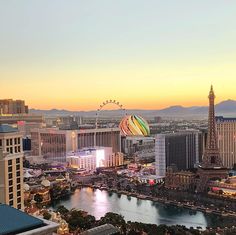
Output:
x=98 y=203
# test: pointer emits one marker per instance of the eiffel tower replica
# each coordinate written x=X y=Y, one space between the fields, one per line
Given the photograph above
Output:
x=211 y=166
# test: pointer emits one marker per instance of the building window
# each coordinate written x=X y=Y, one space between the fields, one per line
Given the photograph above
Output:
x=19 y=206
x=15 y=141
x=9 y=162
x=18 y=140
x=10 y=182
x=7 y=142
x=10 y=189
x=11 y=203
x=213 y=160
x=0 y=142
x=10 y=141
x=11 y=196
x=18 y=187
x=10 y=175
x=18 y=173
x=19 y=149
x=17 y=167
x=18 y=200
x=10 y=169
x=18 y=193
x=18 y=180
x=17 y=160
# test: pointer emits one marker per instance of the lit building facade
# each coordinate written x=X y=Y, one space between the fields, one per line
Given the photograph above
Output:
x=91 y=158
x=226 y=132
x=53 y=144
x=11 y=167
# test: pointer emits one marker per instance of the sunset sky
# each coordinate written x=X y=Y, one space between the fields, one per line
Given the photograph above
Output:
x=147 y=54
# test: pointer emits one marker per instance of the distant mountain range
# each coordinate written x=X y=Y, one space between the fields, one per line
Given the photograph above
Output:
x=225 y=108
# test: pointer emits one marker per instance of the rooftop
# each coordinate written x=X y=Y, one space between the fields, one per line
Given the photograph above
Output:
x=87 y=151
x=13 y=221
x=223 y=119
x=4 y=128
x=106 y=229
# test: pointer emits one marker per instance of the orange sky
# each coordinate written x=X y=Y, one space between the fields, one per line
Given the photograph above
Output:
x=77 y=55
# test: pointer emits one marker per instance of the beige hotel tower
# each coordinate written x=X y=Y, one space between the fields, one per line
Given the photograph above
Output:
x=226 y=131
x=11 y=167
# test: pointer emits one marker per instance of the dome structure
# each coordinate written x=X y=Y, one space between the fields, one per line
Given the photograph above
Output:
x=27 y=174
x=26 y=187
x=134 y=125
x=45 y=183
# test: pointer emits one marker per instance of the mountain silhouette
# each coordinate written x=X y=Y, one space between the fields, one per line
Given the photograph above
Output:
x=225 y=108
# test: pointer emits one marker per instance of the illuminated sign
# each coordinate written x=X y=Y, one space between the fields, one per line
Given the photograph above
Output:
x=100 y=158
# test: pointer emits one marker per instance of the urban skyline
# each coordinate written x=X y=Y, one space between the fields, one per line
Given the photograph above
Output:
x=117 y=117
x=76 y=55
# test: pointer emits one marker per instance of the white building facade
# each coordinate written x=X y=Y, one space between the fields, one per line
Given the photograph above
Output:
x=91 y=158
x=160 y=155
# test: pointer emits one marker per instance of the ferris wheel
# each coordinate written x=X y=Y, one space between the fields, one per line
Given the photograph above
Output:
x=107 y=102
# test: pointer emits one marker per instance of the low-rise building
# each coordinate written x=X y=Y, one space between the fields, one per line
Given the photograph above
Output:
x=180 y=180
x=142 y=148
x=104 y=229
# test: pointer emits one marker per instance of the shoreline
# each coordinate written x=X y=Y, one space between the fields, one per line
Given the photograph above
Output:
x=189 y=206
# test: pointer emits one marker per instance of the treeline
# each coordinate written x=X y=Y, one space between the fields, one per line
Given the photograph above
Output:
x=79 y=221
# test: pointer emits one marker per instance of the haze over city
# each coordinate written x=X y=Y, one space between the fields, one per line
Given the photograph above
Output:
x=147 y=55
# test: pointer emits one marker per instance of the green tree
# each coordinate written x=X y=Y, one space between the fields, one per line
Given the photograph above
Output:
x=114 y=219
x=47 y=215
x=62 y=210
x=78 y=220
x=89 y=221
x=38 y=198
x=128 y=188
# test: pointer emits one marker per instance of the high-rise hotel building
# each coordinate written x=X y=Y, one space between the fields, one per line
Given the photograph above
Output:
x=9 y=106
x=11 y=167
x=182 y=149
x=226 y=132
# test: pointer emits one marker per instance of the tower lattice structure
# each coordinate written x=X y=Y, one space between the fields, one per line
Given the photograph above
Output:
x=211 y=157
x=211 y=166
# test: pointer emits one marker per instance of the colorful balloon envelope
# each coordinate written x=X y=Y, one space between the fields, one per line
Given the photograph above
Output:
x=134 y=125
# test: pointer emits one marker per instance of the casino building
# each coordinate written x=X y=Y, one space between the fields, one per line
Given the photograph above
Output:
x=54 y=144
x=91 y=158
